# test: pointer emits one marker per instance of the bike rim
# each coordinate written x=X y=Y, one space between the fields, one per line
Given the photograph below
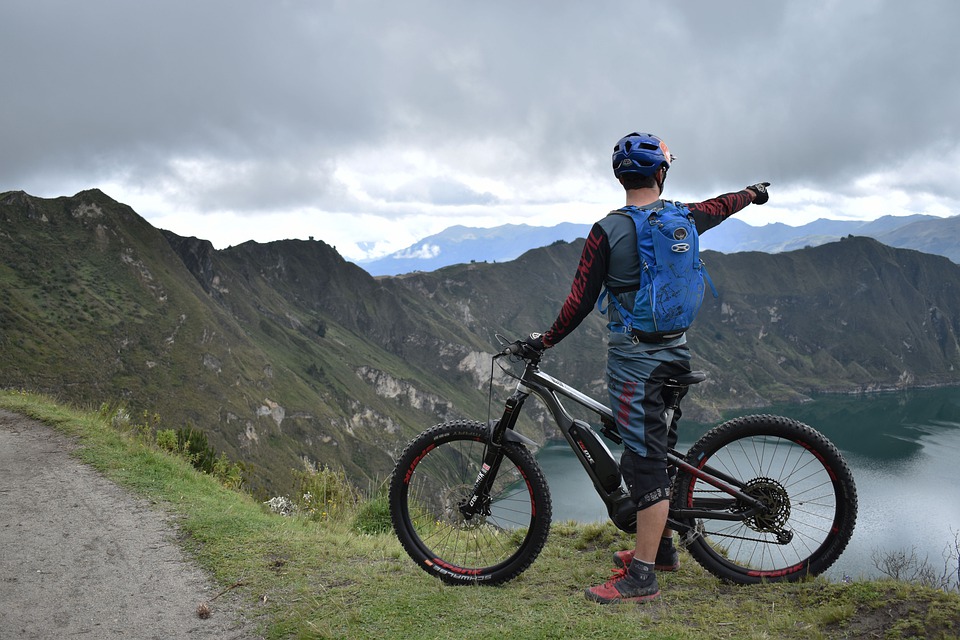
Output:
x=801 y=491
x=440 y=479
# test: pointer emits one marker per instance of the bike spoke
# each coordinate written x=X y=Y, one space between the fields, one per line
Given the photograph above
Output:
x=442 y=481
x=780 y=472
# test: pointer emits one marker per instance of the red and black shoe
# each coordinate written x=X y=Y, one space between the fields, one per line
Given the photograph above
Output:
x=625 y=586
x=667 y=557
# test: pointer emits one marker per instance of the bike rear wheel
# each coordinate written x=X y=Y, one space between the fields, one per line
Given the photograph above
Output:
x=435 y=474
x=807 y=487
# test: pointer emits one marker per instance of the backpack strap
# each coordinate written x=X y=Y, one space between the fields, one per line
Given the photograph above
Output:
x=620 y=327
x=706 y=276
x=626 y=318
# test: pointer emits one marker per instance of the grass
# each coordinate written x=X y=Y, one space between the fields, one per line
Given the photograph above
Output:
x=321 y=578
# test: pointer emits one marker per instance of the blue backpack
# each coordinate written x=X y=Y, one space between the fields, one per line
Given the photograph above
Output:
x=671 y=274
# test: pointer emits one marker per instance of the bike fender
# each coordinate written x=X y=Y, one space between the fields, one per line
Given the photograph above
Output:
x=512 y=436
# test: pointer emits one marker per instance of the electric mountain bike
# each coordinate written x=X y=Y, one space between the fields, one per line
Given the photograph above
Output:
x=758 y=498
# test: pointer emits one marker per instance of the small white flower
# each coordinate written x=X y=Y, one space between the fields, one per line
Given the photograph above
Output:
x=281 y=505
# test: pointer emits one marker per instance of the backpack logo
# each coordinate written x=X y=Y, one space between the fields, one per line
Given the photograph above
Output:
x=671 y=279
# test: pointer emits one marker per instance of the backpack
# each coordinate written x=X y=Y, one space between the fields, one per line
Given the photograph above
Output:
x=671 y=274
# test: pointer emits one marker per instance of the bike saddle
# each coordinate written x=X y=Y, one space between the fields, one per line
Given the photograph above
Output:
x=687 y=379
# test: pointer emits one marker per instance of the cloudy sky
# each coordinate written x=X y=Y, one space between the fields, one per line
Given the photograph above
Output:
x=371 y=124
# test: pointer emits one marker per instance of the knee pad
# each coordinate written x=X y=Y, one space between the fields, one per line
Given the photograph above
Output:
x=647 y=479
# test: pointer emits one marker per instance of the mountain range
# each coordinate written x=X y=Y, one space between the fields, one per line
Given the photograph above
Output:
x=459 y=244
x=290 y=357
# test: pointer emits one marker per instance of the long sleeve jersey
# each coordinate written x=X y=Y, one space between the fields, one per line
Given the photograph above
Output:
x=609 y=258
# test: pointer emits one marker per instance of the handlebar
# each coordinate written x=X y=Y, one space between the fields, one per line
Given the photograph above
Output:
x=519 y=348
x=512 y=349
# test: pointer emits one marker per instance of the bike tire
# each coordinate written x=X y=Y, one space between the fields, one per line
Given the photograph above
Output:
x=436 y=471
x=794 y=469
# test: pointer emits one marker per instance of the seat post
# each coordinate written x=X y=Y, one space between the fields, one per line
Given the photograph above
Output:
x=673 y=391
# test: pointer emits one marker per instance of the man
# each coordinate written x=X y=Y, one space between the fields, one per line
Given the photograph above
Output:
x=637 y=368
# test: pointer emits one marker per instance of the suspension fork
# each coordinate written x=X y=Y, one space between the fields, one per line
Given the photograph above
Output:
x=498 y=432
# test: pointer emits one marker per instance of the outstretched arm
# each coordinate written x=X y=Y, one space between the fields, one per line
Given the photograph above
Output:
x=710 y=213
x=586 y=287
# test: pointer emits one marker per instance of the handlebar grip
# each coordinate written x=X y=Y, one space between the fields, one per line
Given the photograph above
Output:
x=512 y=349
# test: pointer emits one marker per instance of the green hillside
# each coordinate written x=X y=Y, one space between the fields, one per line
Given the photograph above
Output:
x=336 y=575
x=289 y=357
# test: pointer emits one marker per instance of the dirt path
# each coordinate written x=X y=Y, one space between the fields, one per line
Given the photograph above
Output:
x=79 y=557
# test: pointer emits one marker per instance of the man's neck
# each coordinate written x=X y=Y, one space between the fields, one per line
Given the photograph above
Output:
x=642 y=197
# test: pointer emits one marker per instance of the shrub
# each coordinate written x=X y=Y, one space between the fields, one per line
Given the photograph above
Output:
x=167 y=440
x=230 y=474
x=373 y=516
x=192 y=444
x=324 y=493
x=907 y=566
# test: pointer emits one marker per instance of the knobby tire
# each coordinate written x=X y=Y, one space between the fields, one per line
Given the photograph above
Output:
x=795 y=470
x=435 y=473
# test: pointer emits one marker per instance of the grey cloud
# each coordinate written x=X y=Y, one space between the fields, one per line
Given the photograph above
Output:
x=812 y=92
x=437 y=191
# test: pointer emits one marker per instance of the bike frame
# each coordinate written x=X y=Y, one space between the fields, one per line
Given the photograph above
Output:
x=596 y=458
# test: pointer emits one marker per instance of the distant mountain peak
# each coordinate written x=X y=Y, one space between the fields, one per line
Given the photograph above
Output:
x=461 y=244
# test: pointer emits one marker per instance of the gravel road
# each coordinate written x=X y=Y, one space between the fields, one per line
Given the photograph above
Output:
x=80 y=557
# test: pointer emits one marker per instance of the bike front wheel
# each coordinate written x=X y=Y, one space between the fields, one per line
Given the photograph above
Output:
x=807 y=490
x=435 y=475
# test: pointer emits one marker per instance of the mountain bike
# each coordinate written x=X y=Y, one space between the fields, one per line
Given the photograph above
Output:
x=759 y=498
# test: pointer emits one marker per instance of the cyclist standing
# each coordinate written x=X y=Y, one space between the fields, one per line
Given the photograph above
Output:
x=636 y=370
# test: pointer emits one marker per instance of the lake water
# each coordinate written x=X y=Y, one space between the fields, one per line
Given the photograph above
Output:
x=903 y=448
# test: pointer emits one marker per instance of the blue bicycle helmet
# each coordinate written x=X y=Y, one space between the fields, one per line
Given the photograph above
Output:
x=641 y=153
